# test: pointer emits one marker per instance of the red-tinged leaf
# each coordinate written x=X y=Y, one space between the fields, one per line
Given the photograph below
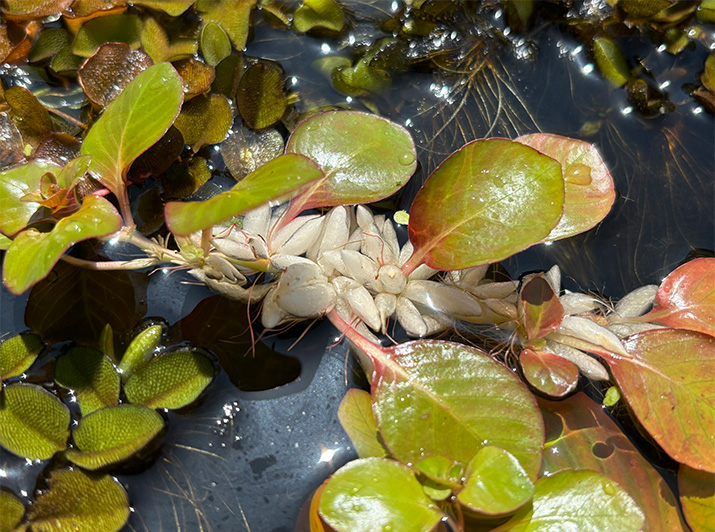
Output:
x=540 y=308
x=580 y=435
x=548 y=373
x=697 y=495
x=669 y=382
x=487 y=201
x=686 y=298
x=589 y=186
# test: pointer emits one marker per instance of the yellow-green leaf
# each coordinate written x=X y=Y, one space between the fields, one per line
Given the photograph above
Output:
x=11 y=511
x=92 y=377
x=205 y=120
x=215 y=44
x=140 y=350
x=17 y=354
x=610 y=61
x=110 y=28
x=356 y=417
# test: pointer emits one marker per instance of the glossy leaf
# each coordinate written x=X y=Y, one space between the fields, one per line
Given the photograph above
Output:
x=15 y=183
x=17 y=354
x=496 y=483
x=244 y=150
x=697 y=495
x=669 y=382
x=29 y=9
x=502 y=197
x=33 y=254
x=12 y=148
x=425 y=403
x=376 y=494
x=260 y=97
x=91 y=376
x=610 y=61
x=318 y=14
x=172 y=380
x=204 y=120
x=77 y=501
x=113 y=434
x=365 y=158
x=589 y=192
x=540 y=308
x=33 y=422
x=111 y=28
x=276 y=179
x=140 y=350
x=585 y=500
x=686 y=297
x=11 y=511
x=110 y=69
x=548 y=373
x=580 y=435
x=172 y=8
x=234 y=16
x=132 y=123
x=356 y=417
x=215 y=44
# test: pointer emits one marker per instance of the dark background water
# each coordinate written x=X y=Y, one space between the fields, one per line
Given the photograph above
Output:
x=247 y=460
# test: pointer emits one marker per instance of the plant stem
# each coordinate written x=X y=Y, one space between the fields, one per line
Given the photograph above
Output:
x=135 y=264
x=162 y=254
x=351 y=334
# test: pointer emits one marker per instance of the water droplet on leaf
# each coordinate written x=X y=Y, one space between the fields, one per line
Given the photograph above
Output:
x=407 y=158
x=578 y=174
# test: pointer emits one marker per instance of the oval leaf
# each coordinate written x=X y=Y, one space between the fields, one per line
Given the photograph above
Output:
x=33 y=422
x=548 y=373
x=584 y=500
x=365 y=158
x=92 y=377
x=590 y=190
x=140 y=350
x=17 y=354
x=356 y=417
x=503 y=197
x=377 y=494
x=77 y=501
x=610 y=61
x=275 y=179
x=426 y=402
x=205 y=120
x=172 y=380
x=540 y=308
x=132 y=123
x=686 y=297
x=113 y=434
x=260 y=97
x=496 y=483
x=215 y=44
x=33 y=254
x=11 y=511
x=669 y=382
x=697 y=495
x=109 y=28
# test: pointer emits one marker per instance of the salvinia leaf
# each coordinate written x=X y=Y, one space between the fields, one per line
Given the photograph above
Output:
x=17 y=354
x=11 y=511
x=32 y=254
x=485 y=202
x=356 y=417
x=132 y=123
x=140 y=350
x=669 y=383
x=91 y=376
x=277 y=178
x=377 y=494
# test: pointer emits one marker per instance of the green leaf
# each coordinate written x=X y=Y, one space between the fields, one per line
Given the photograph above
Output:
x=33 y=254
x=234 y=16
x=496 y=483
x=11 y=511
x=365 y=158
x=356 y=418
x=92 y=377
x=582 y=436
x=109 y=28
x=17 y=354
x=49 y=42
x=707 y=78
x=113 y=434
x=204 y=120
x=686 y=298
x=260 y=97
x=590 y=189
x=577 y=500
x=33 y=422
x=610 y=61
x=156 y=43
x=140 y=350
x=485 y=202
x=318 y=14
x=172 y=8
x=27 y=9
x=16 y=183
x=172 y=380
x=697 y=495
x=669 y=383
x=31 y=117
x=132 y=123
x=550 y=374
x=276 y=179
x=377 y=494
x=425 y=403
x=215 y=44
x=75 y=500
x=244 y=150
x=539 y=308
